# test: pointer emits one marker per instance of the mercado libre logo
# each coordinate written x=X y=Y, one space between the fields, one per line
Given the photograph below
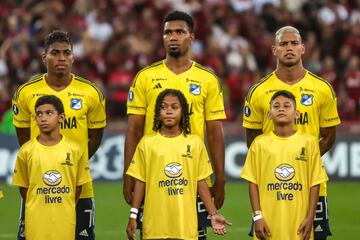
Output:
x=173 y=170
x=52 y=178
x=284 y=172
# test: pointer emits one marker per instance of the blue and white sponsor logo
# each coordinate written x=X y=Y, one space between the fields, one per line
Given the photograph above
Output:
x=306 y=99
x=131 y=96
x=247 y=111
x=195 y=89
x=76 y=103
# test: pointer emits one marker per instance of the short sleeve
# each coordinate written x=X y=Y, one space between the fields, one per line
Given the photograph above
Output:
x=253 y=116
x=96 y=114
x=21 y=113
x=214 y=103
x=250 y=167
x=83 y=173
x=204 y=164
x=137 y=168
x=328 y=113
x=317 y=170
x=136 y=103
x=21 y=176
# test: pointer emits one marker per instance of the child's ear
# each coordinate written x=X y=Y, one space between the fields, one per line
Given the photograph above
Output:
x=297 y=114
x=61 y=117
x=269 y=115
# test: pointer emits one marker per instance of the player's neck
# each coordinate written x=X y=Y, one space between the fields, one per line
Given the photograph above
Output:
x=290 y=75
x=178 y=65
x=286 y=130
x=58 y=83
x=49 y=139
x=170 y=132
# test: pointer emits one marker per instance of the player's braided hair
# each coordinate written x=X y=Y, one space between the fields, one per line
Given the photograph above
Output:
x=57 y=36
x=185 y=115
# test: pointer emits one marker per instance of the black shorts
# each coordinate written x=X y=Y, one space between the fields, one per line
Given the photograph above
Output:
x=85 y=219
x=321 y=221
x=203 y=219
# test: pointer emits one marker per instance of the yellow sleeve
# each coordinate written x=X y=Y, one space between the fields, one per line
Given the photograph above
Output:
x=317 y=170
x=328 y=113
x=137 y=168
x=136 y=103
x=204 y=164
x=21 y=112
x=1 y=193
x=253 y=115
x=214 y=103
x=20 y=176
x=83 y=171
x=97 y=114
x=249 y=171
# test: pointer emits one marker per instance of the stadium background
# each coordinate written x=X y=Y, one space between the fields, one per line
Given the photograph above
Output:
x=113 y=39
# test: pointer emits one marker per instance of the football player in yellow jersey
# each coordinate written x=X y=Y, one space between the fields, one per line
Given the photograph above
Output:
x=85 y=114
x=170 y=167
x=284 y=170
x=50 y=171
x=1 y=193
x=316 y=102
x=202 y=91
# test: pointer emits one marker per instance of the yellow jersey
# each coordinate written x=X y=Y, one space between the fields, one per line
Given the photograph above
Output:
x=84 y=106
x=284 y=169
x=171 y=169
x=51 y=175
x=315 y=100
x=200 y=86
x=1 y=193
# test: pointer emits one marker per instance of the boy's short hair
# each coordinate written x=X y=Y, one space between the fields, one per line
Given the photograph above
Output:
x=284 y=93
x=50 y=99
x=57 y=36
x=182 y=16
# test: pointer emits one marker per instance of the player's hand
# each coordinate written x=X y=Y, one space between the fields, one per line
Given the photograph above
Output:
x=218 y=192
x=131 y=229
x=218 y=223
x=128 y=186
x=306 y=228
x=262 y=230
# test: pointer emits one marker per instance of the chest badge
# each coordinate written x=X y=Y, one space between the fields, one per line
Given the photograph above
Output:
x=195 y=89
x=306 y=99
x=76 y=103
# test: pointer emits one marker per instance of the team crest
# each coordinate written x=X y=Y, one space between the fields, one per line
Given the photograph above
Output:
x=131 y=96
x=306 y=99
x=76 y=103
x=195 y=89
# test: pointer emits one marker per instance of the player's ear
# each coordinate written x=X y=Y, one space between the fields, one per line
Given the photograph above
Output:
x=273 y=50
x=43 y=57
x=61 y=117
x=269 y=115
x=297 y=114
x=302 y=49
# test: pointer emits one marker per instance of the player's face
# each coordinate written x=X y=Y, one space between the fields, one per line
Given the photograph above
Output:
x=282 y=110
x=177 y=38
x=170 y=112
x=288 y=49
x=48 y=118
x=59 y=59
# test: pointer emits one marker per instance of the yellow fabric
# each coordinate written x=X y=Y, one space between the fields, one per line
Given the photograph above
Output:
x=51 y=174
x=170 y=168
x=200 y=87
x=284 y=169
x=84 y=107
x=315 y=99
x=1 y=193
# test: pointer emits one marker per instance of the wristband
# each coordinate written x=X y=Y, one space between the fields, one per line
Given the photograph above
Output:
x=257 y=217
x=133 y=215
x=134 y=210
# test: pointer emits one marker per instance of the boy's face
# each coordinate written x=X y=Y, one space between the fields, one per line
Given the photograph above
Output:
x=170 y=111
x=48 y=118
x=283 y=111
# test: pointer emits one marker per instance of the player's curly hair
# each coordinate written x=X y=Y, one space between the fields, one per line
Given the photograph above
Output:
x=50 y=99
x=185 y=115
x=57 y=36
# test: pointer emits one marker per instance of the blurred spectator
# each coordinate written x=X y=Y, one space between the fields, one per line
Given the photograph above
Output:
x=352 y=75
